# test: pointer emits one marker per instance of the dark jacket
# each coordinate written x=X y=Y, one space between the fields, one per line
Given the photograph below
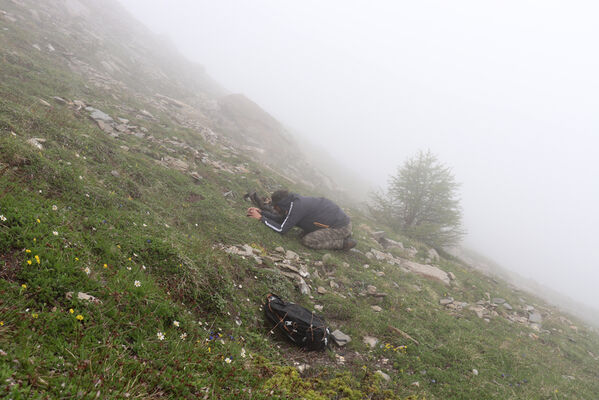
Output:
x=308 y=213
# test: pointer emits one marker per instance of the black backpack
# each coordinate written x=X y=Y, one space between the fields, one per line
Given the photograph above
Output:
x=299 y=324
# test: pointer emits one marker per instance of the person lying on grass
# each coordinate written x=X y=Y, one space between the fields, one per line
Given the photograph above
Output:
x=324 y=224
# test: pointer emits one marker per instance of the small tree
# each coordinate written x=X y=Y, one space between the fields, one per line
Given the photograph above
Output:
x=421 y=202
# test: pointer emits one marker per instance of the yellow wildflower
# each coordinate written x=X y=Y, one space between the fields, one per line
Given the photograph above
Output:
x=27 y=251
x=29 y=262
x=76 y=258
x=71 y=311
x=79 y=317
x=38 y=221
x=34 y=315
x=1 y=323
x=105 y=265
x=24 y=286
x=37 y=258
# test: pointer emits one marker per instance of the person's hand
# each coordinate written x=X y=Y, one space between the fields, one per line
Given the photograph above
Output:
x=254 y=212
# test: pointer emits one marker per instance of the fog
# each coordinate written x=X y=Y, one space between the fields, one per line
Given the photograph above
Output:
x=506 y=93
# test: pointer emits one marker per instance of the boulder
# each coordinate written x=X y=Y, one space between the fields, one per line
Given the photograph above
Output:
x=535 y=317
x=428 y=271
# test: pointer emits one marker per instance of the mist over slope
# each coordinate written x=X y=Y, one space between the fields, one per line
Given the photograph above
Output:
x=128 y=268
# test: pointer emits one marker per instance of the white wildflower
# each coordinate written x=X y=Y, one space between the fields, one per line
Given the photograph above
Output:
x=137 y=283
x=242 y=354
x=183 y=336
x=128 y=268
x=3 y=218
x=55 y=233
x=228 y=360
x=87 y=270
x=176 y=324
x=160 y=336
x=54 y=207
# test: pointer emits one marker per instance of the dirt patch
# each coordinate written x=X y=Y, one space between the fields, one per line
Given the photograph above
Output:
x=9 y=267
x=194 y=198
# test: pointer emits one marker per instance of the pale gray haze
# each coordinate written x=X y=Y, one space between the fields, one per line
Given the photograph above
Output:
x=504 y=92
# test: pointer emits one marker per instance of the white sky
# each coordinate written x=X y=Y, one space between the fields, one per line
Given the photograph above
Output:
x=504 y=92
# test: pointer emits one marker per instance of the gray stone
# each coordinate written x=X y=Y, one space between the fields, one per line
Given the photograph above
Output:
x=98 y=115
x=115 y=173
x=370 y=341
x=321 y=290
x=59 y=100
x=507 y=306
x=303 y=287
x=427 y=271
x=280 y=250
x=451 y=276
x=333 y=284
x=318 y=307
x=535 y=317
x=371 y=289
x=340 y=338
x=498 y=300
x=291 y=255
x=376 y=308
x=383 y=375
x=446 y=301
x=37 y=142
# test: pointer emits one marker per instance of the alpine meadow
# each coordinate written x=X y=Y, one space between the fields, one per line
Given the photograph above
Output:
x=129 y=270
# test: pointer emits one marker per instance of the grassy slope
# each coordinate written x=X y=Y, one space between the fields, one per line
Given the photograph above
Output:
x=146 y=217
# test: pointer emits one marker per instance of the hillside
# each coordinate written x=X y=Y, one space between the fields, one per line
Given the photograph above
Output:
x=129 y=270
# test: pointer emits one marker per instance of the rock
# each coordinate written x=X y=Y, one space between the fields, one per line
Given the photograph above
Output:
x=344 y=264
x=280 y=250
x=433 y=255
x=376 y=308
x=379 y=255
x=365 y=266
x=327 y=258
x=318 y=307
x=321 y=290
x=302 y=368
x=498 y=300
x=371 y=289
x=507 y=306
x=370 y=341
x=98 y=115
x=427 y=271
x=59 y=100
x=84 y=296
x=37 y=142
x=291 y=255
x=303 y=287
x=535 y=317
x=340 y=338
x=79 y=104
x=383 y=375
x=175 y=163
x=379 y=273
x=446 y=301
x=369 y=255
x=333 y=284
x=479 y=310
x=115 y=173
x=417 y=384
x=451 y=276
x=475 y=372
x=197 y=177
x=45 y=103
x=124 y=148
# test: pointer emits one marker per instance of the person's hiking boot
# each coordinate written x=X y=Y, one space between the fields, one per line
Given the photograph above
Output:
x=349 y=243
